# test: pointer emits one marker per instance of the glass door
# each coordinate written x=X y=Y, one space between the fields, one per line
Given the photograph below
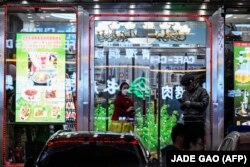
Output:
x=167 y=66
x=152 y=57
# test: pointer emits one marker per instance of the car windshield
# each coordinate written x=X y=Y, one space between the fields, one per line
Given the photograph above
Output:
x=93 y=154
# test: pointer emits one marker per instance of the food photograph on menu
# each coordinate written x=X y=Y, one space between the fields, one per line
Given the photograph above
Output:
x=242 y=78
x=40 y=74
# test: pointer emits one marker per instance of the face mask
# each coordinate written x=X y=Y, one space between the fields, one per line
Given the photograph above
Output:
x=125 y=91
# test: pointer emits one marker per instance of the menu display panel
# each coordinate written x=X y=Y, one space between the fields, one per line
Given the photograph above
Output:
x=242 y=79
x=40 y=74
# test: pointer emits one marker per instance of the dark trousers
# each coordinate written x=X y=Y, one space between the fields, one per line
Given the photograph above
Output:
x=198 y=127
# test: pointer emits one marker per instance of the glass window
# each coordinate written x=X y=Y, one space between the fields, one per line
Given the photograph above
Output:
x=40 y=78
x=151 y=57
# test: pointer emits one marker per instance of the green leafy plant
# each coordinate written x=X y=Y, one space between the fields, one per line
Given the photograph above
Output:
x=100 y=116
x=146 y=127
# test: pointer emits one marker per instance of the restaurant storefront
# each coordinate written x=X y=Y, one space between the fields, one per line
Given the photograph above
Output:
x=151 y=55
x=64 y=64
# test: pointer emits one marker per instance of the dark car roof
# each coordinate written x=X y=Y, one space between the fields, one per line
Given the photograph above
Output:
x=70 y=134
x=77 y=146
x=88 y=136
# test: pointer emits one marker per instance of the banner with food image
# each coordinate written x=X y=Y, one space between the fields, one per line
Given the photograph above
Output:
x=40 y=78
x=242 y=78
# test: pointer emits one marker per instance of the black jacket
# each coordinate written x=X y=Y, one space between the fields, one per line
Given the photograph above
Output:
x=164 y=151
x=199 y=99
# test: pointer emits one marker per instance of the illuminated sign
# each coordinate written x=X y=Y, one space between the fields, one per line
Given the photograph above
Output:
x=140 y=88
x=40 y=78
x=241 y=78
x=70 y=42
x=115 y=53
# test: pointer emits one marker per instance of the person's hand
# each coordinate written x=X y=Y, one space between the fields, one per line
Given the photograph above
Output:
x=187 y=103
x=131 y=108
x=132 y=113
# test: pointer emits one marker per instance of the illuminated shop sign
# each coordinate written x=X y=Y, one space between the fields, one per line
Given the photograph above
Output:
x=241 y=78
x=123 y=31
x=70 y=41
x=150 y=33
x=40 y=78
x=162 y=34
x=48 y=29
x=140 y=88
x=133 y=53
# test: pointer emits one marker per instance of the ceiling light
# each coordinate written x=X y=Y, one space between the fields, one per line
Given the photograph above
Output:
x=203 y=7
x=202 y=12
x=64 y=16
x=131 y=6
x=166 y=12
x=131 y=11
x=96 y=6
x=229 y=15
x=24 y=2
x=167 y=7
x=59 y=0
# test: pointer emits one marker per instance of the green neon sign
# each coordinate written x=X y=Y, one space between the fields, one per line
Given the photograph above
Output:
x=140 y=87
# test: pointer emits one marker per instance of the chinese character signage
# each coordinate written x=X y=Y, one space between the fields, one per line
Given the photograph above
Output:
x=242 y=77
x=40 y=78
x=163 y=34
x=140 y=88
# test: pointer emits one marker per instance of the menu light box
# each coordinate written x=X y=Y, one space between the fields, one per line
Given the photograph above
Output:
x=242 y=78
x=40 y=78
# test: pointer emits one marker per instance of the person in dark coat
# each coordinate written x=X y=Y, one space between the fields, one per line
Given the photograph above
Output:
x=192 y=141
x=194 y=102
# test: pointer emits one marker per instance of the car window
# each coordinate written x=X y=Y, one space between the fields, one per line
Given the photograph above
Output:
x=112 y=155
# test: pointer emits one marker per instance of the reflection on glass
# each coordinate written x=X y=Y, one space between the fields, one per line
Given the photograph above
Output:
x=153 y=74
x=32 y=136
